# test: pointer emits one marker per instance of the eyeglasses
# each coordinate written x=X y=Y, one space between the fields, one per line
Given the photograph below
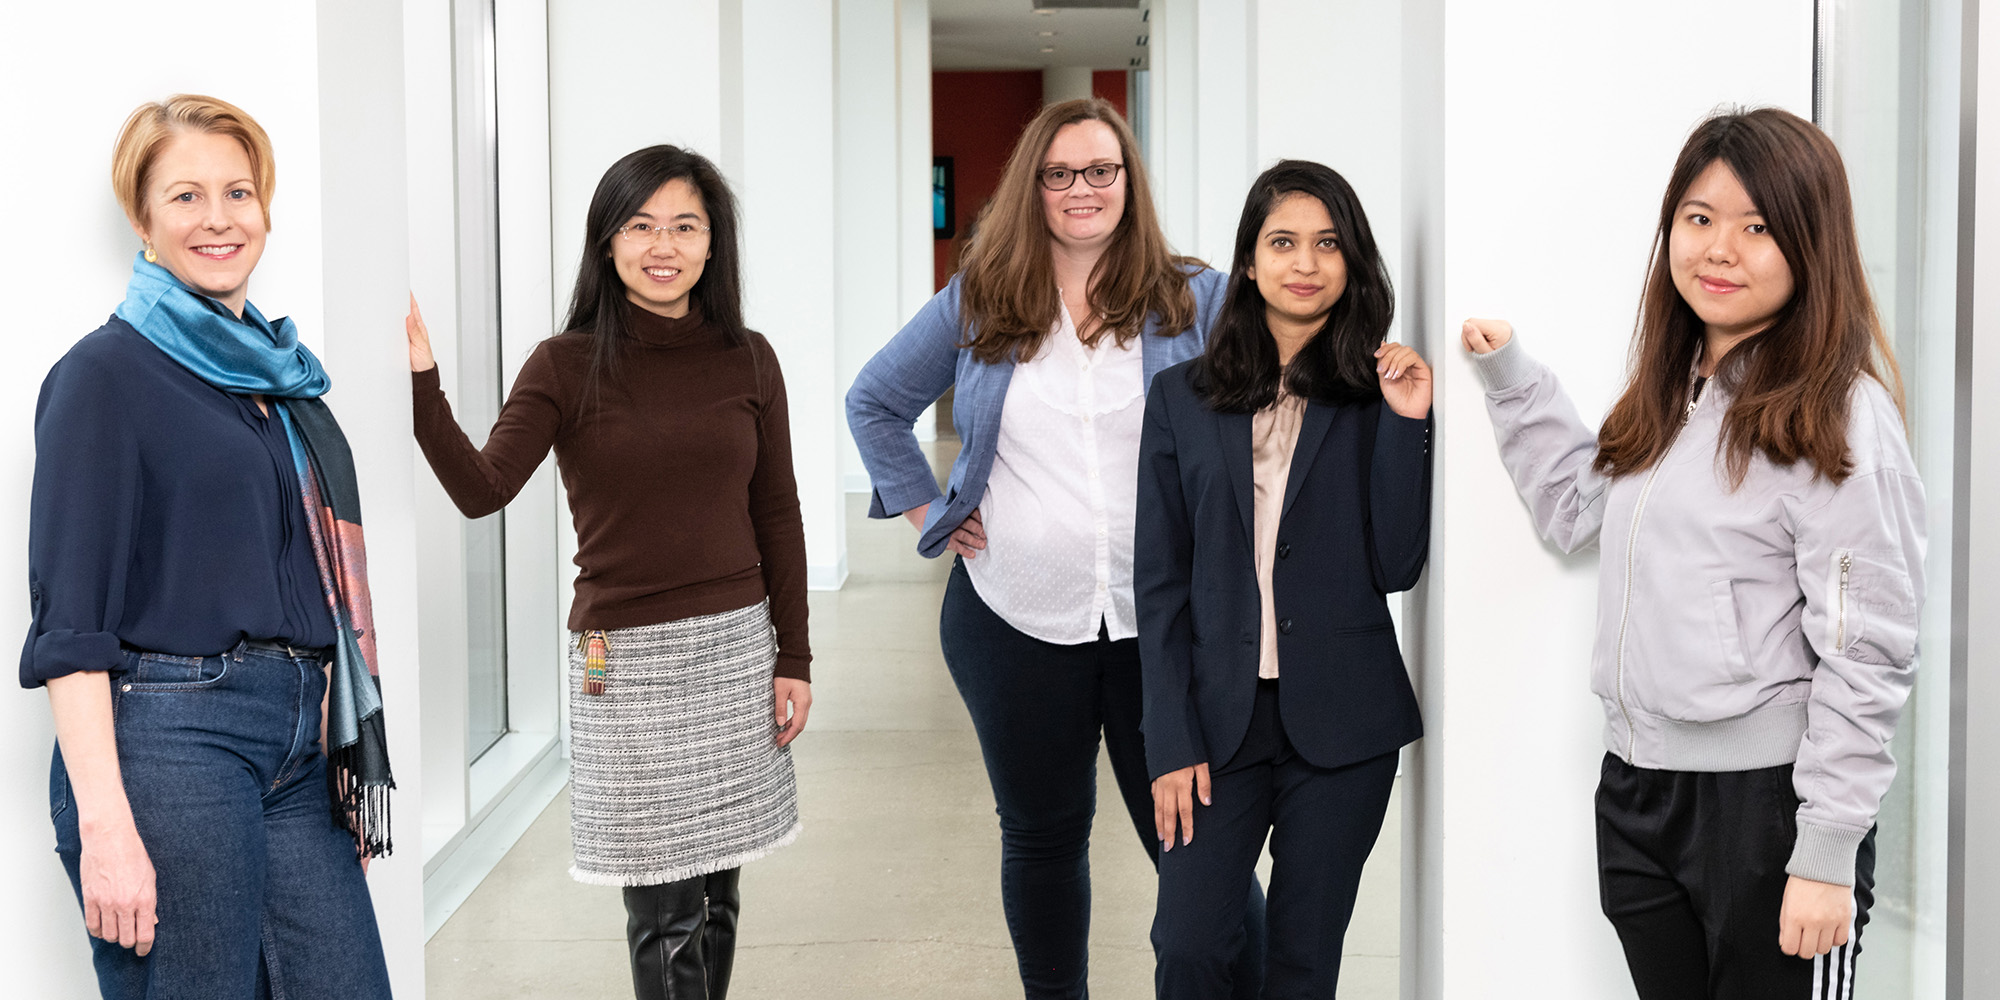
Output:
x=680 y=233
x=1096 y=175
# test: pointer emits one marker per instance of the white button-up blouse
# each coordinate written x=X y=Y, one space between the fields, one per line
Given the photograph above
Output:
x=1061 y=497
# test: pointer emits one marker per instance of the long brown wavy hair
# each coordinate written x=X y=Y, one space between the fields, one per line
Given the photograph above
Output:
x=1007 y=291
x=1792 y=381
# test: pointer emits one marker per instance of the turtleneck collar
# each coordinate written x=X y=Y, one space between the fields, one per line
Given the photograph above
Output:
x=655 y=330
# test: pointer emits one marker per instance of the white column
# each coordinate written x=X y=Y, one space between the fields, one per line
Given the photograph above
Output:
x=1533 y=198
x=917 y=275
x=430 y=145
x=366 y=272
x=1065 y=83
x=1973 y=916
x=867 y=225
x=1363 y=140
x=786 y=184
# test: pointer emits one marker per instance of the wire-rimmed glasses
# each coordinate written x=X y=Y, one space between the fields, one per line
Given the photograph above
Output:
x=1096 y=175
x=679 y=233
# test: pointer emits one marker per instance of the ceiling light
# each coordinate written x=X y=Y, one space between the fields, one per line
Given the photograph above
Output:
x=1046 y=34
x=1048 y=48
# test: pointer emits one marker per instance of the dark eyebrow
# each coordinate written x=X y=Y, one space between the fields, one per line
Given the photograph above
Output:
x=683 y=215
x=1287 y=232
x=1705 y=206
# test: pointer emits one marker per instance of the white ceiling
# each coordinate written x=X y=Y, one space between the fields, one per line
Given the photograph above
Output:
x=1006 y=34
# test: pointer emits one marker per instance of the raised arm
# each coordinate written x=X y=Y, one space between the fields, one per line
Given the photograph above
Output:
x=894 y=388
x=1545 y=446
x=483 y=480
x=1399 y=470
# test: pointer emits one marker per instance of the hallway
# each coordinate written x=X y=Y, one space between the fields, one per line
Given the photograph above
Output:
x=892 y=890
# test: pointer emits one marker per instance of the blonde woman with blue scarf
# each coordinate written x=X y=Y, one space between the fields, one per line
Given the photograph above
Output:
x=200 y=601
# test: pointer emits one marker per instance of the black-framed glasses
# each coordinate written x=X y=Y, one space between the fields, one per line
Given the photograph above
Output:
x=1096 y=175
x=682 y=233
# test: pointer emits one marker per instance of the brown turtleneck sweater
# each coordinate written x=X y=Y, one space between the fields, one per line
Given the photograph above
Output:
x=680 y=481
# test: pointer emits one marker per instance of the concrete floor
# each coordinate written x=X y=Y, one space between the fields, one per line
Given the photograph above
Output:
x=892 y=890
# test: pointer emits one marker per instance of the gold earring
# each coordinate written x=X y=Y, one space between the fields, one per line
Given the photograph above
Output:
x=151 y=257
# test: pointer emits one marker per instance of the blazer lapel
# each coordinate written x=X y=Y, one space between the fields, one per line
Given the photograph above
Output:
x=1312 y=431
x=1234 y=429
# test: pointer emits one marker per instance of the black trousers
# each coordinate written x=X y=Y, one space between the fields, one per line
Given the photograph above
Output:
x=1039 y=708
x=1322 y=824
x=1691 y=870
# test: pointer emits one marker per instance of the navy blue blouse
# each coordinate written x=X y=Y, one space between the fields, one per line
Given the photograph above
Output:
x=166 y=516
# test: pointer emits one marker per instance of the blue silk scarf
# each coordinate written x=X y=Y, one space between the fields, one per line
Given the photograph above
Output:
x=253 y=355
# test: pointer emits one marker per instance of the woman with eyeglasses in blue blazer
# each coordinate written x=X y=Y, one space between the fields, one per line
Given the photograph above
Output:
x=1069 y=303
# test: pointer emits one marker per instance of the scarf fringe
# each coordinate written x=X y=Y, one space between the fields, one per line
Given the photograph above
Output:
x=361 y=794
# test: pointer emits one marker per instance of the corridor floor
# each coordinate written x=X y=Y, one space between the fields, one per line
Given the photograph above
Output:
x=892 y=890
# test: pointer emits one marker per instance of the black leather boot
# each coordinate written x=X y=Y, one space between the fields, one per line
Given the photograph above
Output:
x=665 y=928
x=718 y=940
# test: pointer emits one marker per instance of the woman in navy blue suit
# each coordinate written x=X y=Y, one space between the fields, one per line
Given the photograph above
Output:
x=1284 y=491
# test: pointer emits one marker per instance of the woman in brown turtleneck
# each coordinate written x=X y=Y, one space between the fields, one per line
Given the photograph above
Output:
x=688 y=671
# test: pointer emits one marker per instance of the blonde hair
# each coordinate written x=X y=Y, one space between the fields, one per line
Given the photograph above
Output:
x=153 y=124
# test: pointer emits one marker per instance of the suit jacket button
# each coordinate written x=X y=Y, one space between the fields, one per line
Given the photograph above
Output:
x=1284 y=550
x=1284 y=626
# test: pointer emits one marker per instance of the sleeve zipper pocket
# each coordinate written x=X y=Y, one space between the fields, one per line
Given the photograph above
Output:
x=1843 y=562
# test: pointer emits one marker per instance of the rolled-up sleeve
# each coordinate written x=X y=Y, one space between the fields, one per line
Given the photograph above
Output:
x=82 y=513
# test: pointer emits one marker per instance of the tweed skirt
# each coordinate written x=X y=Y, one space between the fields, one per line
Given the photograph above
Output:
x=675 y=769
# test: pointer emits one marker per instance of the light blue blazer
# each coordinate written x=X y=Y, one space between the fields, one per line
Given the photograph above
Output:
x=924 y=359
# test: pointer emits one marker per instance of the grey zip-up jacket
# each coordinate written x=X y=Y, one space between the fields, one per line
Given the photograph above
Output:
x=1770 y=624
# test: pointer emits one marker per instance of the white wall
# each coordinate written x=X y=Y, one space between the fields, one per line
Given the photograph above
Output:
x=1543 y=133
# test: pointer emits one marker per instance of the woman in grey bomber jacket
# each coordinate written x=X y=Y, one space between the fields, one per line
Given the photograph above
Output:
x=1762 y=530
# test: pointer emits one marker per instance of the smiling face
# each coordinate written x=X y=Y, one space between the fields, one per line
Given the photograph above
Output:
x=657 y=270
x=1299 y=269
x=1724 y=261
x=1082 y=218
x=202 y=216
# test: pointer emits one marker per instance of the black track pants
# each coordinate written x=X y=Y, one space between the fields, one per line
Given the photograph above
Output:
x=1691 y=870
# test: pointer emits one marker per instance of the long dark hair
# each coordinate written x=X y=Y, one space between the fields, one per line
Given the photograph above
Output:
x=1792 y=380
x=1239 y=371
x=599 y=307
x=1007 y=288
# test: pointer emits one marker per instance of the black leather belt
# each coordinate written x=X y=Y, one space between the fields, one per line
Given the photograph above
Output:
x=294 y=652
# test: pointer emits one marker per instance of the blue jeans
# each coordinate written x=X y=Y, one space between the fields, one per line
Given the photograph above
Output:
x=259 y=893
x=1039 y=708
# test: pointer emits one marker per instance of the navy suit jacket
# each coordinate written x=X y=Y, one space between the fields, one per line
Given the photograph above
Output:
x=1355 y=527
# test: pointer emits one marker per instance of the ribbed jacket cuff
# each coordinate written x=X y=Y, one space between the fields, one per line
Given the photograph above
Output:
x=1824 y=853
x=1505 y=368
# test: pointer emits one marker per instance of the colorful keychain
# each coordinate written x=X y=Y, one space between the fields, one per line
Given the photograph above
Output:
x=594 y=669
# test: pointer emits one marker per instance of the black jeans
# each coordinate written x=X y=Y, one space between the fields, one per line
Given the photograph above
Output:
x=1039 y=708
x=1691 y=868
